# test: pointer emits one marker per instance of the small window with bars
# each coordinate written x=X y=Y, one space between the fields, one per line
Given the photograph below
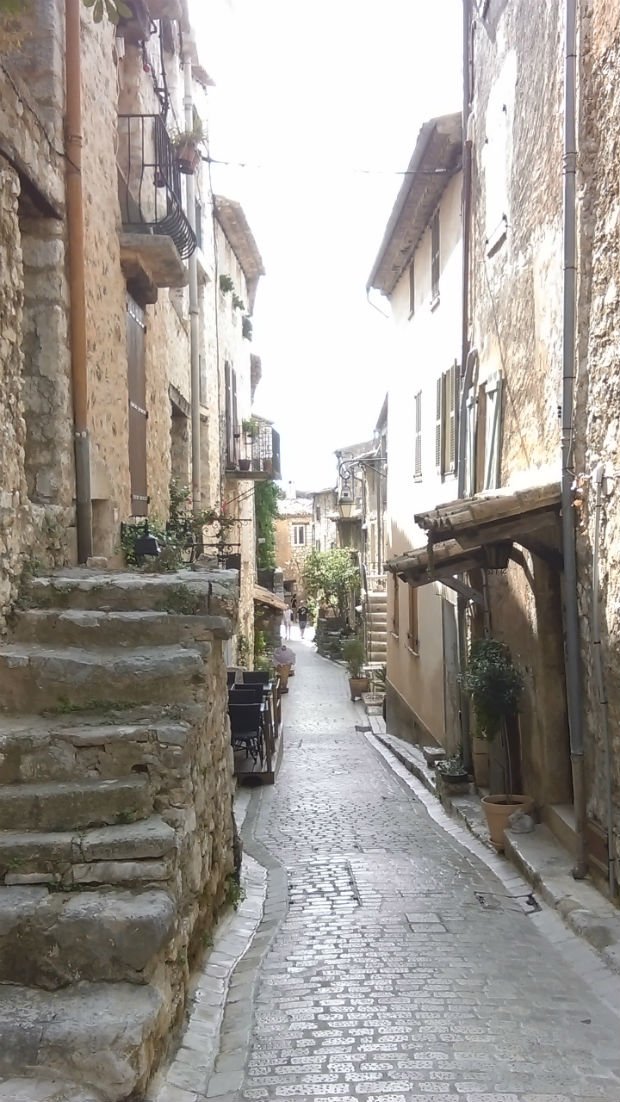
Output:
x=417 y=445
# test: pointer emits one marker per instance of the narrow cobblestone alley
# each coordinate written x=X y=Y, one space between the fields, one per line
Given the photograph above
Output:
x=397 y=966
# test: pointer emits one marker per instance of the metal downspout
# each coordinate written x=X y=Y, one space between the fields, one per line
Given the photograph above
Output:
x=465 y=366
x=194 y=307
x=77 y=289
x=571 y=609
x=598 y=478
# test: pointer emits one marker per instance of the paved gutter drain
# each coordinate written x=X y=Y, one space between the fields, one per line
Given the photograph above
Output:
x=527 y=904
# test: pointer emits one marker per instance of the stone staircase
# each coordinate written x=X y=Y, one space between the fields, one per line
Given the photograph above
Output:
x=376 y=625
x=115 y=823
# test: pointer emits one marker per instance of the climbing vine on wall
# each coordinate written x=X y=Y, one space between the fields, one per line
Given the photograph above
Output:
x=266 y=497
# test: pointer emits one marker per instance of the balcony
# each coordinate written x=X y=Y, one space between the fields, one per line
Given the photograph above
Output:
x=255 y=457
x=157 y=237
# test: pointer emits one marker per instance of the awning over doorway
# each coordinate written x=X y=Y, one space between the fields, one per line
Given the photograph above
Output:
x=494 y=515
x=264 y=596
x=462 y=535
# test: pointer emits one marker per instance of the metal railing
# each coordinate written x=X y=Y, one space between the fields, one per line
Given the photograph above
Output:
x=150 y=190
x=259 y=453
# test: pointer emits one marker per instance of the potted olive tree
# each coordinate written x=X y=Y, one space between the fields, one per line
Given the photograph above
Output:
x=186 y=143
x=354 y=657
x=495 y=686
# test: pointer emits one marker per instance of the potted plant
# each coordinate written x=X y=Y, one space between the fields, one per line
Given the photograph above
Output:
x=250 y=427
x=495 y=686
x=186 y=144
x=354 y=657
x=226 y=284
x=452 y=777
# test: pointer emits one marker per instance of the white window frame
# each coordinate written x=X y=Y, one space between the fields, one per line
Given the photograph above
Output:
x=296 y=530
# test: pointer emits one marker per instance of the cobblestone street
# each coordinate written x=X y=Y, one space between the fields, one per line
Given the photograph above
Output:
x=395 y=966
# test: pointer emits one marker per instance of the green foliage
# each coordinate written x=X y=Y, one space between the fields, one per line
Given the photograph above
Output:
x=243 y=650
x=238 y=303
x=182 y=601
x=354 y=655
x=250 y=426
x=226 y=284
x=114 y=9
x=235 y=892
x=494 y=685
x=330 y=576
x=266 y=497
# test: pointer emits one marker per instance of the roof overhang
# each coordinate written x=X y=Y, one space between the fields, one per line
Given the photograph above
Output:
x=264 y=596
x=436 y=157
x=492 y=516
x=467 y=535
x=234 y=223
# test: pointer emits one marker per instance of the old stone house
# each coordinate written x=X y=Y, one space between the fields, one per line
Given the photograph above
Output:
x=293 y=539
x=529 y=540
x=113 y=684
x=418 y=269
x=324 y=519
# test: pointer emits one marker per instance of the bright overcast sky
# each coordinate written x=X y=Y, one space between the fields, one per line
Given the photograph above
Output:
x=309 y=96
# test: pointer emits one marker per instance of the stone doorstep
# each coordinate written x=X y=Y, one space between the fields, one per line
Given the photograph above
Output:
x=45 y=1090
x=541 y=859
x=51 y=939
x=39 y=678
x=74 y=804
x=213 y=593
x=81 y=627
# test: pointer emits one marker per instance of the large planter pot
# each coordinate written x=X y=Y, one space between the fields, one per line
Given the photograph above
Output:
x=283 y=673
x=357 y=686
x=498 y=810
x=480 y=756
x=188 y=157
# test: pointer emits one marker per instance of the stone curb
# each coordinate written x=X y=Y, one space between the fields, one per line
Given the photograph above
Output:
x=189 y=1075
x=586 y=913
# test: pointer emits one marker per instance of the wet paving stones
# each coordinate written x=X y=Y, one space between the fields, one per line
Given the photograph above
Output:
x=382 y=977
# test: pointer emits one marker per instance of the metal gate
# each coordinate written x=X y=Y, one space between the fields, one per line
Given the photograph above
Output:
x=136 y=378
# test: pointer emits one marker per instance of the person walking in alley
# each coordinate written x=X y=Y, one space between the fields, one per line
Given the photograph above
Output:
x=302 y=616
x=287 y=617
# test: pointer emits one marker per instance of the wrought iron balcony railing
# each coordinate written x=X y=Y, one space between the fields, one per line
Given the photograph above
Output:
x=150 y=190
x=256 y=457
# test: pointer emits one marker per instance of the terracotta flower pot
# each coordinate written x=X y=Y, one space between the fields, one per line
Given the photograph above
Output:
x=357 y=686
x=498 y=810
x=480 y=755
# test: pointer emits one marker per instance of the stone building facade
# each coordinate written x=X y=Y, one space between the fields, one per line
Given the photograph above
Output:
x=293 y=539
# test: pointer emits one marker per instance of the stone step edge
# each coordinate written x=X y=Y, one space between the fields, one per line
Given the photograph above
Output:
x=237 y=935
x=45 y=1089
x=585 y=922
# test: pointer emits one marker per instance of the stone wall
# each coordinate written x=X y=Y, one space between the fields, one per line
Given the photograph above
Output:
x=516 y=304
x=15 y=517
x=598 y=389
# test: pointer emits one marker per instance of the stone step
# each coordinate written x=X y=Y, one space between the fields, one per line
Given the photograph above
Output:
x=185 y=593
x=38 y=678
x=377 y=600
x=53 y=939
x=104 y=1036
x=45 y=1090
x=74 y=805
x=94 y=628
x=43 y=748
x=28 y=857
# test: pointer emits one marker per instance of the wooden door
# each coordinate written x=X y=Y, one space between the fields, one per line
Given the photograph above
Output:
x=136 y=376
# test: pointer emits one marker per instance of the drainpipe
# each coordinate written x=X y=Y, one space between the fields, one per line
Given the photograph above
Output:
x=194 y=309
x=77 y=289
x=571 y=608
x=599 y=680
x=467 y=364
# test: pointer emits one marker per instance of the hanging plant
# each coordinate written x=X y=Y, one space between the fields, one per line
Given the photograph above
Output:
x=238 y=303
x=494 y=685
x=114 y=9
x=226 y=284
x=246 y=327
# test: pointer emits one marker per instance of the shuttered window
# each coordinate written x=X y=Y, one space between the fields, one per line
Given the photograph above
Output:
x=417 y=462
x=493 y=427
x=395 y=605
x=446 y=421
x=412 y=629
x=412 y=289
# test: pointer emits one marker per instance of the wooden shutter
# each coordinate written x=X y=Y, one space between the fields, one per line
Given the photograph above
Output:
x=451 y=418
x=417 y=467
x=439 y=426
x=230 y=449
x=136 y=386
x=435 y=257
x=493 y=417
x=470 y=447
x=412 y=630
x=412 y=289
x=395 y=605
